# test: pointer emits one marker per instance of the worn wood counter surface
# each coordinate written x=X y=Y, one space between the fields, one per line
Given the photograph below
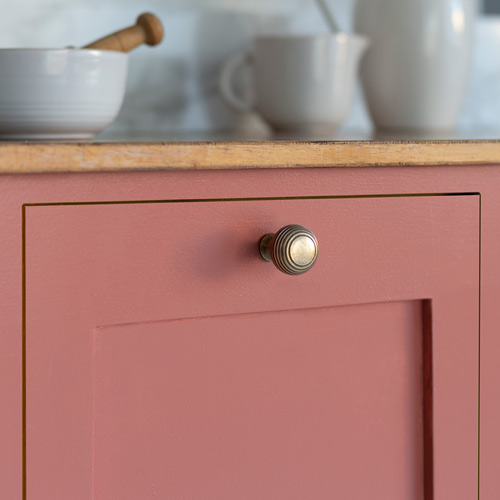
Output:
x=226 y=152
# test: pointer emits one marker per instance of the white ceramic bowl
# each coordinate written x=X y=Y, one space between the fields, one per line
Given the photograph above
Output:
x=59 y=93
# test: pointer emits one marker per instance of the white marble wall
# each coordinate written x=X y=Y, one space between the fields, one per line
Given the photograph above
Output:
x=173 y=87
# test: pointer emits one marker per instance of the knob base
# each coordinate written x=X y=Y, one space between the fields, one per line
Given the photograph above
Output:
x=265 y=245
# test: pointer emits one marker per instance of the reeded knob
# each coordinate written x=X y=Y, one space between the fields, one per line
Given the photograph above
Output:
x=293 y=249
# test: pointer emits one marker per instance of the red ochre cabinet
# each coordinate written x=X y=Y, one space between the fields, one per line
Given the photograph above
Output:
x=149 y=352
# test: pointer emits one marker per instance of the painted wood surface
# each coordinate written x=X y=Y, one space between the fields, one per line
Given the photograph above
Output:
x=16 y=190
x=122 y=264
x=115 y=156
x=288 y=404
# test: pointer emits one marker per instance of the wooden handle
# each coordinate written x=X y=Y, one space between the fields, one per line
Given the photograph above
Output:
x=147 y=29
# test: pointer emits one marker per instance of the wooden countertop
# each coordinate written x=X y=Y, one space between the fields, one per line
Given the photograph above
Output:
x=225 y=151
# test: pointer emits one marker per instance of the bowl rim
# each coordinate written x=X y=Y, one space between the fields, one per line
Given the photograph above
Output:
x=72 y=50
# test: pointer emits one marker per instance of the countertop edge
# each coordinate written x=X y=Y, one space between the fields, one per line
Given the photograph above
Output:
x=34 y=157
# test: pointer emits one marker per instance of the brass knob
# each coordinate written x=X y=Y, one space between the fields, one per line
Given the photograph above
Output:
x=293 y=249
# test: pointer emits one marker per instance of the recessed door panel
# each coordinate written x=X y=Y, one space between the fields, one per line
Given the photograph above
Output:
x=319 y=403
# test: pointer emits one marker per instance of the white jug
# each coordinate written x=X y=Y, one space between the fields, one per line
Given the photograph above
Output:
x=302 y=83
x=414 y=75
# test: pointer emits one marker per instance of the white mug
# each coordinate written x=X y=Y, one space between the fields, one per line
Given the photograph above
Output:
x=302 y=83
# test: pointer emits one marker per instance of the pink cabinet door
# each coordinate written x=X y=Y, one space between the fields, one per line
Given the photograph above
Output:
x=165 y=359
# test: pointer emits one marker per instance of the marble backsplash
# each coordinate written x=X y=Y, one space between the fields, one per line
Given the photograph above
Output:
x=173 y=87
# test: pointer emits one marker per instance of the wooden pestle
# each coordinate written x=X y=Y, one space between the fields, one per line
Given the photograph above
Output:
x=147 y=29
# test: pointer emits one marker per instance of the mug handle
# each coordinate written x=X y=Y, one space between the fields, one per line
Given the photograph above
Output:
x=231 y=66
